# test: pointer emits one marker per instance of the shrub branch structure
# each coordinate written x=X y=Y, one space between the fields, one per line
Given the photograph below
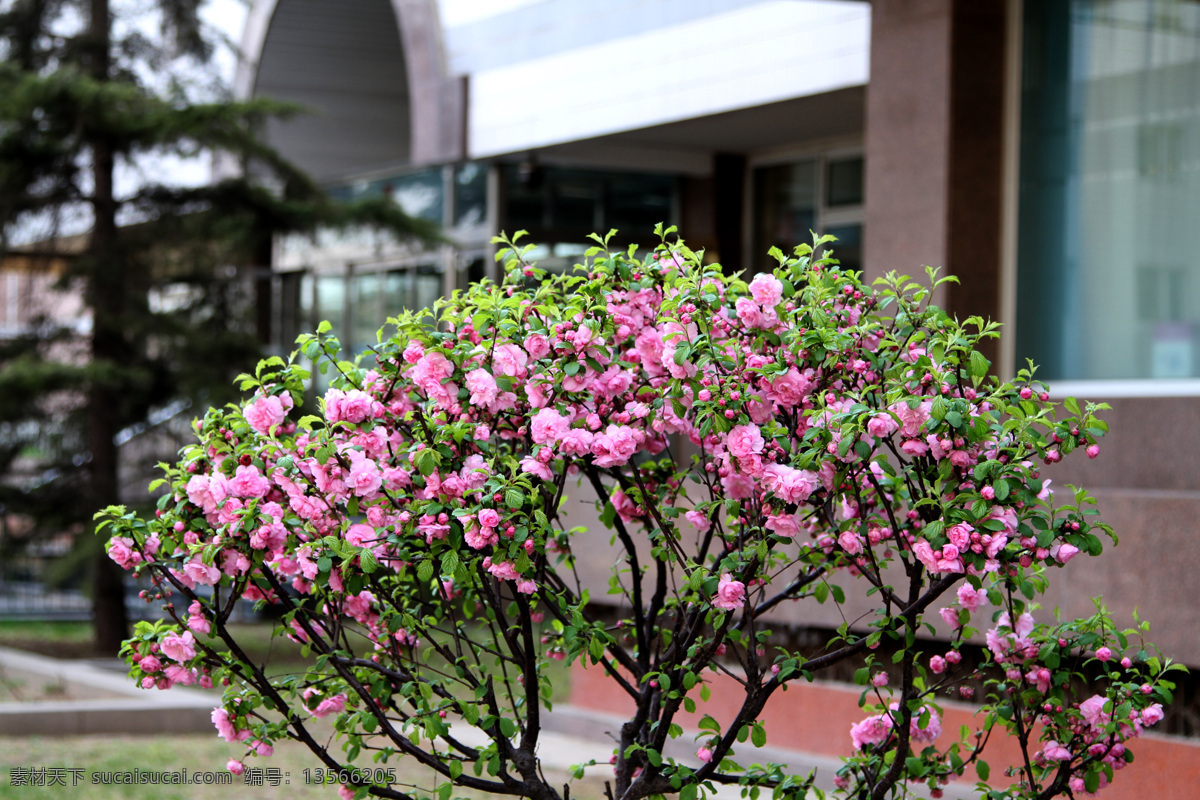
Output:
x=800 y=438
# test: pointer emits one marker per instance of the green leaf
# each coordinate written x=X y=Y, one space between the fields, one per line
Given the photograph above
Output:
x=514 y=499
x=821 y=592
x=979 y=365
x=758 y=736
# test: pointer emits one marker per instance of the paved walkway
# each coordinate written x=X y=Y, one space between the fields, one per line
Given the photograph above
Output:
x=570 y=735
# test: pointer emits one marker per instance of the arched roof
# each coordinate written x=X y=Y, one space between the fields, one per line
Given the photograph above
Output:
x=372 y=70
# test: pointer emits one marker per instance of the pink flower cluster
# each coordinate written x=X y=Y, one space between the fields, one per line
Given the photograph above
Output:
x=817 y=432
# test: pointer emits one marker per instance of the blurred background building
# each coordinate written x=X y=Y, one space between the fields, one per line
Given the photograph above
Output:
x=1047 y=152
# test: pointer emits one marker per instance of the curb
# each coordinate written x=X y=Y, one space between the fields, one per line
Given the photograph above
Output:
x=126 y=710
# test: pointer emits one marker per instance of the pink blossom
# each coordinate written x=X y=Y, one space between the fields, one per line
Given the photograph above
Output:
x=503 y=570
x=749 y=313
x=933 y=725
x=851 y=542
x=872 y=730
x=766 y=289
x=361 y=535
x=1093 y=711
x=879 y=679
x=235 y=766
x=704 y=754
x=960 y=535
x=179 y=648
x=431 y=370
x=745 y=441
x=626 y=509
x=937 y=665
x=1053 y=751
x=537 y=345
x=482 y=387
x=548 y=426
x=1040 y=677
x=912 y=420
x=1063 y=552
x=1152 y=714
x=265 y=412
x=882 y=425
x=535 y=467
x=200 y=572
x=206 y=491
x=510 y=360
x=615 y=446
x=478 y=538
x=789 y=484
x=249 y=482
x=330 y=705
x=949 y=615
x=731 y=594
x=970 y=597
x=364 y=478
x=924 y=553
x=224 y=726
x=792 y=387
x=354 y=406
x=120 y=550
x=782 y=525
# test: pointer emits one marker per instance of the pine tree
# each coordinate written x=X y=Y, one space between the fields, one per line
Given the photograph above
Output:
x=84 y=98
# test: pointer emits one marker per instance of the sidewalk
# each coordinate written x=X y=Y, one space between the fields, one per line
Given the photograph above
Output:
x=112 y=704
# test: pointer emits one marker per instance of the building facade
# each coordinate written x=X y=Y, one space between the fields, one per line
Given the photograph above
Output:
x=1047 y=152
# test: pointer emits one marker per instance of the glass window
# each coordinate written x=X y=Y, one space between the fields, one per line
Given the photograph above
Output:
x=470 y=195
x=785 y=206
x=397 y=292
x=638 y=202
x=556 y=204
x=366 y=316
x=331 y=303
x=792 y=200
x=427 y=287
x=420 y=194
x=844 y=182
x=848 y=247
x=1108 y=270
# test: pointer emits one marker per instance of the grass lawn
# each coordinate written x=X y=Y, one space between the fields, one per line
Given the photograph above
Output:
x=198 y=754
x=66 y=639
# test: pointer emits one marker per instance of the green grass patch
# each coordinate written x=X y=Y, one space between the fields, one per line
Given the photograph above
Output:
x=99 y=759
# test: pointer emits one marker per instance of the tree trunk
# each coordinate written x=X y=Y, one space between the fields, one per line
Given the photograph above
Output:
x=106 y=285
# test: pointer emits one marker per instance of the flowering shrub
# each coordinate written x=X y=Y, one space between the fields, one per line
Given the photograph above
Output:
x=787 y=439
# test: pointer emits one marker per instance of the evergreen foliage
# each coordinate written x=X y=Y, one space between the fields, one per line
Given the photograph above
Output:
x=90 y=107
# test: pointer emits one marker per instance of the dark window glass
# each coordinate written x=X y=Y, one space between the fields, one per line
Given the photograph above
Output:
x=844 y=182
x=785 y=208
x=470 y=195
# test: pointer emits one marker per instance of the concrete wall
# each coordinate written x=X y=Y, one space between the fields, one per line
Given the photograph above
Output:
x=934 y=144
x=740 y=58
x=344 y=62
